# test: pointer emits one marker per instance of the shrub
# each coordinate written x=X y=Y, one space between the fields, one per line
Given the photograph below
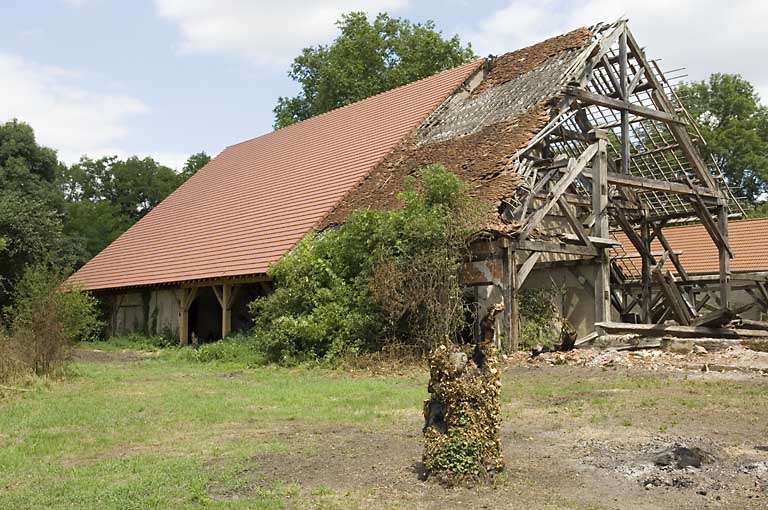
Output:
x=540 y=320
x=44 y=321
x=383 y=277
x=238 y=349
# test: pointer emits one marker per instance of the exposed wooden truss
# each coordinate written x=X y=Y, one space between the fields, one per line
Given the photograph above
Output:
x=617 y=155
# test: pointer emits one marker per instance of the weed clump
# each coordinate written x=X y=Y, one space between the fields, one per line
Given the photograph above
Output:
x=43 y=323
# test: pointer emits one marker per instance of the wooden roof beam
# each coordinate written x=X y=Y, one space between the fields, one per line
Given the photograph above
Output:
x=586 y=96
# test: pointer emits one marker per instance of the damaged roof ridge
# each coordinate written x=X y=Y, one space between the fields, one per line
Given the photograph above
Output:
x=474 y=65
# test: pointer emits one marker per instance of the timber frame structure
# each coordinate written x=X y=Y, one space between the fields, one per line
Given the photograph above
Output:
x=617 y=154
x=568 y=141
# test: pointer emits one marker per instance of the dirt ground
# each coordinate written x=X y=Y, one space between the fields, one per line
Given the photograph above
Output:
x=587 y=429
x=556 y=458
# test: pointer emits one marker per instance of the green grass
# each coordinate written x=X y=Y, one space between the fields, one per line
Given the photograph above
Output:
x=142 y=434
x=170 y=432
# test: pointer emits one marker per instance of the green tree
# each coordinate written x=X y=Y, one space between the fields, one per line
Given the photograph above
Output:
x=32 y=231
x=27 y=168
x=735 y=127
x=105 y=196
x=194 y=163
x=366 y=59
x=31 y=205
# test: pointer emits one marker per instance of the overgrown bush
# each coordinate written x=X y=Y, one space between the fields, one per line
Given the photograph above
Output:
x=383 y=277
x=44 y=321
x=540 y=321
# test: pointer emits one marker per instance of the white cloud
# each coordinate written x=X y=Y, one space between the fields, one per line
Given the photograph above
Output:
x=704 y=36
x=265 y=32
x=65 y=114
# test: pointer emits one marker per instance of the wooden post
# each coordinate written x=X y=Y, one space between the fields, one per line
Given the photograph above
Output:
x=514 y=308
x=506 y=293
x=645 y=270
x=624 y=94
x=185 y=301
x=600 y=229
x=725 y=257
x=226 y=297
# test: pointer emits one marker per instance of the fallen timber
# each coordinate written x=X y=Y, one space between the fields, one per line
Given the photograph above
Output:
x=660 y=330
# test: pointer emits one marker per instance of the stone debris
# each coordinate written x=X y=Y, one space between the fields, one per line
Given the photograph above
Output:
x=732 y=358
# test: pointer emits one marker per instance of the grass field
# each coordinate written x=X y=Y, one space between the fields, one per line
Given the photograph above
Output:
x=123 y=432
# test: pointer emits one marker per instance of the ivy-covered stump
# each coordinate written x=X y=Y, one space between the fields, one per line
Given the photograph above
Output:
x=463 y=414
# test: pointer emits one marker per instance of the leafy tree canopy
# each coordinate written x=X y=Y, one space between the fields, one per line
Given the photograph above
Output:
x=194 y=163
x=135 y=185
x=366 y=59
x=735 y=127
x=27 y=168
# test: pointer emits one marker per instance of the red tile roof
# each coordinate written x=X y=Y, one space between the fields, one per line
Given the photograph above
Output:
x=748 y=240
x=253 y=202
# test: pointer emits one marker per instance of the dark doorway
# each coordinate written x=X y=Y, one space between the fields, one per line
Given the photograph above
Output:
x=205 y=316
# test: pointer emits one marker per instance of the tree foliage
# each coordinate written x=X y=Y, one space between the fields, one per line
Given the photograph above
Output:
x=384 y=276
x=50 y=212
x=194 y=163
x=365 y=59
x=735 y=126
x=30 y=205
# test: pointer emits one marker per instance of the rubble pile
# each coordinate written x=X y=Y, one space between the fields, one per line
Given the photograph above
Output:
x=718 y=358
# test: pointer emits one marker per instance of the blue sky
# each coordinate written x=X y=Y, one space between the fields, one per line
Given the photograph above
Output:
x=168 y=78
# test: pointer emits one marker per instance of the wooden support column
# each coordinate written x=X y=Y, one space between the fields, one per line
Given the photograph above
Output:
x=185 y=299
x=509 y=294
x=725 y=257
x=514 y=307
x=645 y=271
x=226 y=296
x=600 y=229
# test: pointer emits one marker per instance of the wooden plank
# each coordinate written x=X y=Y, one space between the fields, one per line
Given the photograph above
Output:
x=575 y=223
x=750 y=324
x=550 y=247
x=672 y=296
x=710 y=226
x=645 y=184
x=757 y=298
x=575 y=166
x=623 y=68
x=526 y=268
x=218 y=295
x=618 y=89
x=677 y=330
x=600 y=242
x=185 y=300
x=636 y=240
x=586 y=96
x=634 y=85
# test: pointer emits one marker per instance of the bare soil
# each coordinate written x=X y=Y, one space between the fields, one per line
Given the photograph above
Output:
x=555 y=458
